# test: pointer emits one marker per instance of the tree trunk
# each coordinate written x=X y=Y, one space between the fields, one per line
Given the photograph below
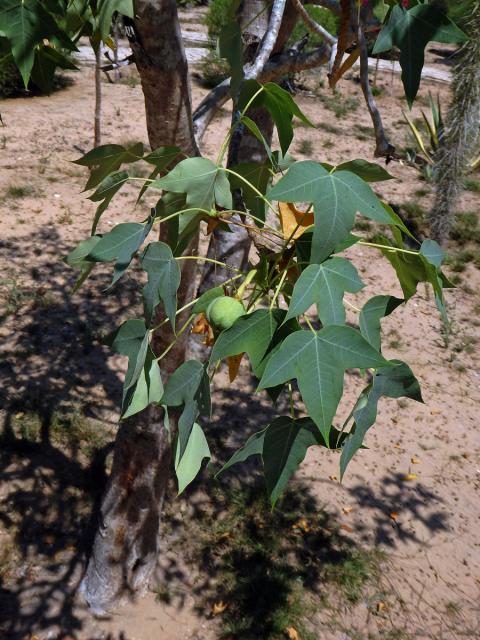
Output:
x=233 y=247
x=127 y=542
x=97 y=127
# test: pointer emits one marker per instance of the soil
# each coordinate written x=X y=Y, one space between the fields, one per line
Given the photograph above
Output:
x=51 y=360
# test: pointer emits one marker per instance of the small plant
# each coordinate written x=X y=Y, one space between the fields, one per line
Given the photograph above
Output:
x=341 y=106
x=20 y=191
x=214 y=69
x=305 y=147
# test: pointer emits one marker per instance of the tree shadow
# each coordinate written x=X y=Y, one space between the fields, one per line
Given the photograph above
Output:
x=53 y=468
x=59 y=400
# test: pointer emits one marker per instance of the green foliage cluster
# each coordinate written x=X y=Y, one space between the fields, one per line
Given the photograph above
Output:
x=286 y=347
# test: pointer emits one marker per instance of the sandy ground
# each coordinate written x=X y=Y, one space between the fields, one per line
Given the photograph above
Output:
x=427 y=526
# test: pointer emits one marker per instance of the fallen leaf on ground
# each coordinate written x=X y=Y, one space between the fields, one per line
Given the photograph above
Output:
x=393 y=515
x=292 y=633
x=347 y=510
x=410 y=476
x=345 y=527
x=333 y=478
x=218 y=607
x=302 y=524
x=414 y=460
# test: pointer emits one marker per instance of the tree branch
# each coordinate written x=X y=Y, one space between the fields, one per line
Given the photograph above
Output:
x=383 y=147
x=278 y=66
x=311 y=24
x=268 y=42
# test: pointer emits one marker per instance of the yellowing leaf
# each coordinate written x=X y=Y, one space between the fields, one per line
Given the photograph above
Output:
x=218 y=607
x=410 y=476
x=393 y=515
x=292 y=633
x=293 y=221
x=414 y=460
x=201 y=326
x=234 y=366
x=347 y=510
x=345 y=66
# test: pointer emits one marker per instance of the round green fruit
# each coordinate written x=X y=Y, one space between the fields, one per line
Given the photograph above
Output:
x=223 y=311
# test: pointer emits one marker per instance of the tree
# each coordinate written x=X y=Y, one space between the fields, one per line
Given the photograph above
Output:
x=461 y=140
x=257 y=307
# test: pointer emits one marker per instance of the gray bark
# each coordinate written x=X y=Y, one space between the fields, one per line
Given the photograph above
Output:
x=127 y=540
x=97 y=127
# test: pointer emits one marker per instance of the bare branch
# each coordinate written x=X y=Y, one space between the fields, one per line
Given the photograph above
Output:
x=332 y=5
x=311 y=24
x=278 y=66
x=268 y=42
x=383 y=147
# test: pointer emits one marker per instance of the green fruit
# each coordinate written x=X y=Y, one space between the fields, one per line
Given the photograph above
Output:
x=223 y=311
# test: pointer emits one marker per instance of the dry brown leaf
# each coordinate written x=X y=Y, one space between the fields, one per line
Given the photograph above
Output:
x=218 y=607
x=202 y=327
x=233 y=366
x=212 y=224
x=291 y=218
x=347 y=510
x=435 y=412
x=414 y=460
x=381 y=606
x=292 y=633
x=393 y=515
x=410 y=476
x=346 y=528
x=302 y=524
x=333 y=478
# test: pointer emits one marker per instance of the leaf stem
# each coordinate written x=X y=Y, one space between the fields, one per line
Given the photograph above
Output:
x=205 y=259
x=312 y=328
x=388 y=248
x=252 y=187
x=292 y=404
x=177 y=336
x=278 y=288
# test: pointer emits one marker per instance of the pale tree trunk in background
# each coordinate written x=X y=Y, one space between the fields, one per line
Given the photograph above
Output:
x=461 y=139
x=97 y=128
x=233 y=247
x=127 y=540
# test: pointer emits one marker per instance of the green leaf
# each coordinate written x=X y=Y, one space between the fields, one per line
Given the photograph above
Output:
x=336 y=197
x=161 y=158
x=131 y=340
x=206 y=298
x=395 y=381
x=411 y=31
x=257 y=175
x=432 y=252
x=254 y=129
x=106 y=9
x=105 y=192
x=372 y=312
x=122 y=242
x=147 y=389
x=189 y=463
x=231 y=47
x=285 y=444
x=368 y=171
x=163 y=280
x=106 y=159
x=251 y=334
x=318 y=361
x=279 y=103
x=189 y=386
x=201 y=180
x=26 y=24
x=252 y=447
x=78 y=258
x=324 y=285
